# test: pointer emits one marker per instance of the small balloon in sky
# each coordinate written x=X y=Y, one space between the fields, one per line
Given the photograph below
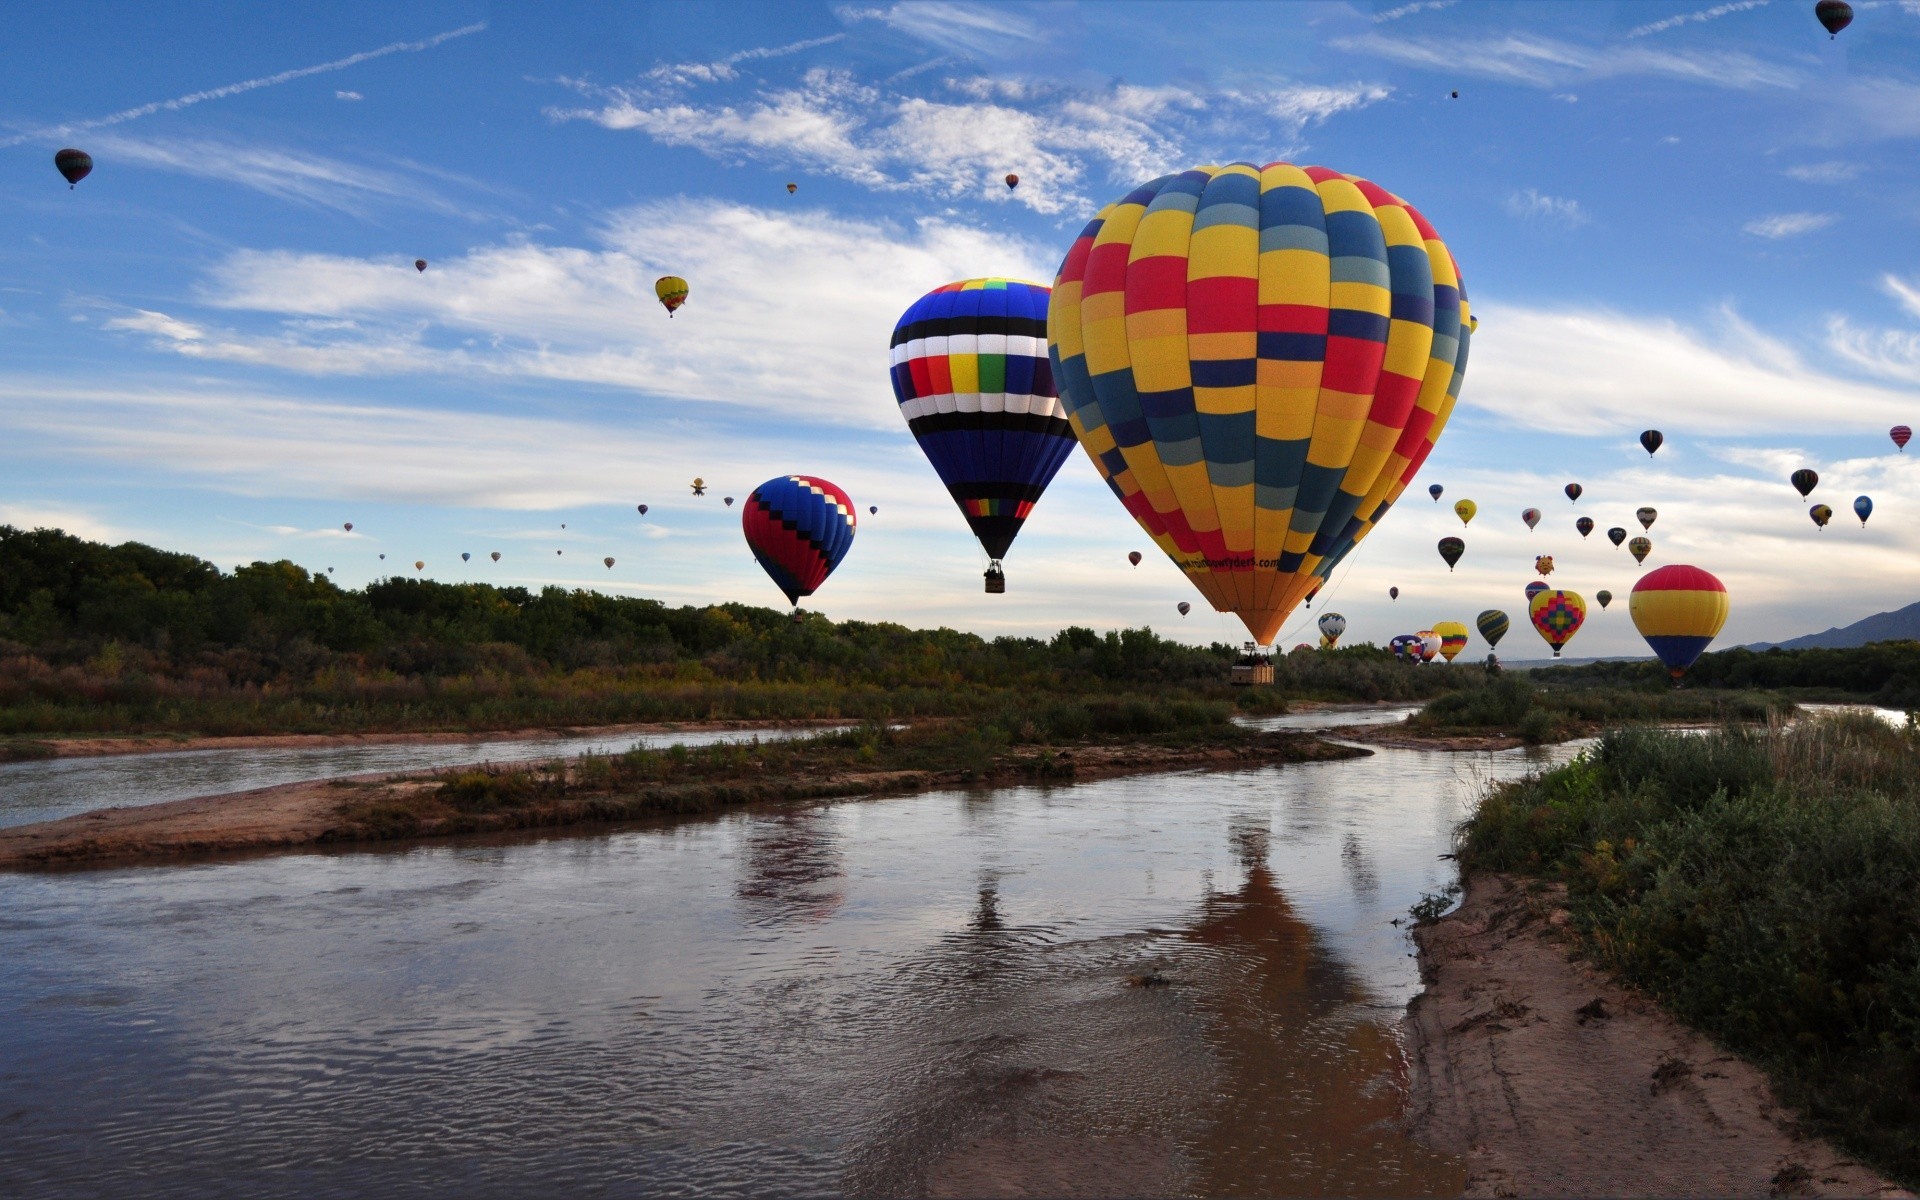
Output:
x=1652 y=440
x=1863 y=508
x=73 y=165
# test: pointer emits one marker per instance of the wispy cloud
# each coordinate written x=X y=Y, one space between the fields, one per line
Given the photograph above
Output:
x=1532 y=205
x=1695 y=18
x=1055 y=137
x=1545 y=62
x=1888 y=353
x=1786 y=225
x=1408 y=10
x=348 y=96
x=1826 y=172
x=973 y=30
x=248 y=85
x=688 y=74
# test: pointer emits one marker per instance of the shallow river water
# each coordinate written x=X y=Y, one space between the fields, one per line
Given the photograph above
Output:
x=922 y=994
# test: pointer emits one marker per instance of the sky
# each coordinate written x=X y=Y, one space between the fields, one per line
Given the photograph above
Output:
x=1694 y=217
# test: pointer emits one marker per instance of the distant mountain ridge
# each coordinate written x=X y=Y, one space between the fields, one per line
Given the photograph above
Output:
x=1902 y=624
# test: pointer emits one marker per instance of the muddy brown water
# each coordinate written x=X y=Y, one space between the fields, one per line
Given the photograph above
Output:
x=1163 y=984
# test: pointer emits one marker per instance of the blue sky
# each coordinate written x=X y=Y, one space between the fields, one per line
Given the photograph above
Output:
x=1697 y=217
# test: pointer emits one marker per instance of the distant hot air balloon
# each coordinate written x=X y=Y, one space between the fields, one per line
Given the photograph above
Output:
x=1558 y=616
x=1535 y=588
x=1679 y=610
x=1191 y=362
x=1821 y=514
x=792 y=188
x=1405 y=646
x=1646 y=516
x=1573 y=491
x=563 y=524
x=1465 y=510
x=1133 y=556
x=1804 y=481
x=1492 y=625
x=1531 y=516
x=609 y=563
x=799 y=528
x=420 y=264
x=1453 y=638
x=1604 y=596
x=348 y=527
x=1901 y=435
x=971 y=373
x=420 y=566
x=1543 y=564
x=1616 y=535
x=1013 y=181
x=727 y=500
x=1184 y=608
x=1435 y=491
x=1833 y=15
x=699 y=486
x=1393 y=593
x=1429 y=645
x=672 y=291
x=1863 y=508
x=873 y=510
x=1640 y=547
x=73 y=165
x=383 y=558
x=465 y=556
x=641 y=508
x=1651 y=440
x=1451 y=548
x=559 y=551
x=1584 y=525
x=496 y=556
x=1332 y=626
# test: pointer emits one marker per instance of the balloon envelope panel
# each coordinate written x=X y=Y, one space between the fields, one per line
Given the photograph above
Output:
x=971 y=372
x=1258 y=360
x=799 y=528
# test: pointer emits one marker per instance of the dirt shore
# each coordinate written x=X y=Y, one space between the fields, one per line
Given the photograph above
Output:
x=1400 y=735
x=322 y=811
x=88 y=747
x=1550 y=1080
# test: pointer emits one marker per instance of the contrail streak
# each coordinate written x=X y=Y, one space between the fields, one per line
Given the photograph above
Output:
x=234 y=89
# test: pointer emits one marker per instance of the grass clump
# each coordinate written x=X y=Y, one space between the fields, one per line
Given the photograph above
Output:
x=1518 y=706
x=1765 y=885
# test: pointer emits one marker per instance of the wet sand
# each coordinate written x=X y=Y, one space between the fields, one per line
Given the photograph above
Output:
x=312 y=812
x=1549 y=1079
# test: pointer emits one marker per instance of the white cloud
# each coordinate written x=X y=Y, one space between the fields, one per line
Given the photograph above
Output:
x=1534 y=205
x=1889 y=353
x=974 y=30
x=789 y=307
x=1826 y=172
x=682 y=75
x=1545 y=62
x=1694 y=18
x=1607 y=372
x=1786 y=225
x=1054 y=137
x=348 y=96
x=1408 y=10
x=77 y=522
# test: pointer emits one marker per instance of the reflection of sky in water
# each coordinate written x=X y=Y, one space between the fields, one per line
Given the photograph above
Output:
x=60 y=787
x=805 y=999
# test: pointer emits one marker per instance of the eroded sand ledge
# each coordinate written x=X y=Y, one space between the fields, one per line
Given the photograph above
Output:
x=1547 y=1079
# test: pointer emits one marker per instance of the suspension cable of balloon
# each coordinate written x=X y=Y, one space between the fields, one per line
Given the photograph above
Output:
x=1325 y=595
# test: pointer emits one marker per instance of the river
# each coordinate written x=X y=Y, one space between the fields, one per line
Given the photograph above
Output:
x=923 y=994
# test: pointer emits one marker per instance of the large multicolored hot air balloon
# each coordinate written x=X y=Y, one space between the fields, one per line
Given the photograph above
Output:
x=1616 y=535
x=799 y=528
x=1863 y=508
x=672 y=291
x=1453 y=638
x=1804 y=481
x=1646 y=516
x=1558 y=616
x=1451 y=548
x=975 y=384
x=1573 y=491
x=1258 y=360
x=1465 y=510
x=1821 y=514
x=1651 y=440
x=1429 y=644
x=1332 y=625
x=1531 y=516
x=1640 y=547
x=73 y=165
x=1833 y=15
x=1405 y=646
x=1901 y=435
x=1492 y=625
x=1679 y=610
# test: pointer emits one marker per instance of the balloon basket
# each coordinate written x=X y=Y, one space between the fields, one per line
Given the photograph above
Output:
x=1253 y=669
x=996 y=580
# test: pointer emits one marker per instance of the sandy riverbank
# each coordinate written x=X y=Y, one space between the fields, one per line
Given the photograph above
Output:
x=1549 y=1079
x=89 y=747
x=323 y=811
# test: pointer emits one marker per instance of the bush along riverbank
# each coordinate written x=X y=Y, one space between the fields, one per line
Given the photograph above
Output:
x=1043 y=741
x=1764 y=885
x=1514 y=707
